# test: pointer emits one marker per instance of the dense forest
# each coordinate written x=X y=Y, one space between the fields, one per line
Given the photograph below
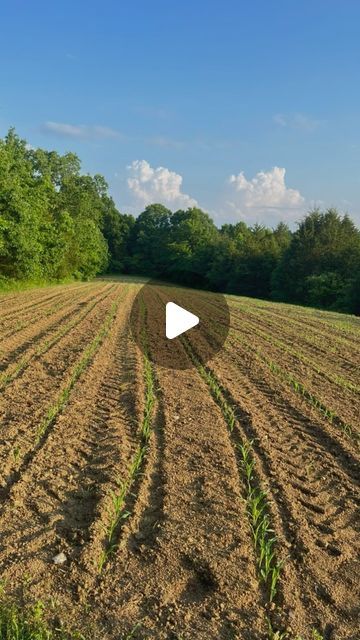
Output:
x=58 y=224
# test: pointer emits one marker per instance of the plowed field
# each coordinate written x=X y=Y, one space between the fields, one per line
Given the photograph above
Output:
x=218 y=502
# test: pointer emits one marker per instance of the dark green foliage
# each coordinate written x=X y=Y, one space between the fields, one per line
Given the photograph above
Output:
x=352 y=296
x=258 y=250
x=51 y=217
x=149 y=241
x=191 y=240
x=322 y=263
x=118 y=229
x=56 y=223
x=317 y=265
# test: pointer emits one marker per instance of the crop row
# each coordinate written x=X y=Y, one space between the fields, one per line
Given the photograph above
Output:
x=295 y=385
x=302 y=358
x=37 y=303
x=310 y=397
x=14 y=371
x=18 y=326
x=117 y=510
x=319 y=332
x=257 y=506
x=62 y=399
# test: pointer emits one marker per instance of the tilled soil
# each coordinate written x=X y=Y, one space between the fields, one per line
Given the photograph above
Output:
x=176 y=559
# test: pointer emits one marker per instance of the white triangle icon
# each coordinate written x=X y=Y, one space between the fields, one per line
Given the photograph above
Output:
x=178 y=320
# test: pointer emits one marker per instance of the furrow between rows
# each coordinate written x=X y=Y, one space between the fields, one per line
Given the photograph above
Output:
x=37 y=390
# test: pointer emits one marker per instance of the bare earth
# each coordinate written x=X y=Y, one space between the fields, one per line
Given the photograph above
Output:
x=180 y=560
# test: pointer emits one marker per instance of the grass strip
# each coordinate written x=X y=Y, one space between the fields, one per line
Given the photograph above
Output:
x=28 y=623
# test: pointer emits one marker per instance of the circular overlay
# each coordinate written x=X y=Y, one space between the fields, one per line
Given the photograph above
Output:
x=152 y=318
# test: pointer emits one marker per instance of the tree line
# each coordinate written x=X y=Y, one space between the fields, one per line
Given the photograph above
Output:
x=57 y=224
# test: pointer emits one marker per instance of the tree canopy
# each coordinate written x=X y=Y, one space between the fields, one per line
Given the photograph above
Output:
x=56 y=223
x=51 y=217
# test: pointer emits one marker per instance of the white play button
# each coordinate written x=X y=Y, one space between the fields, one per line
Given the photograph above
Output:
x=178 y=320
x=166 y=313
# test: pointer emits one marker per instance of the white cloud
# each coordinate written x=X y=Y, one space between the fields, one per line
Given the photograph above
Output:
x=297 y=121
x=266 y=189
x=81 y=131
x=264 y=198
x=161 y=185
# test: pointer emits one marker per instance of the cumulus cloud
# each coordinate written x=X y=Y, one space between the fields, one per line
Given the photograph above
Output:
x=264 y=198
x=266 y=189
x=80 y=131
x=149 y=185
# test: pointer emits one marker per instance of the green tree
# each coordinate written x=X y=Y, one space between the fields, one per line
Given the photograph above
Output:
x=149 y=241
x=118 y=232
x=191 y=240
x=24 y=204
x=320 y=262
x=255 y=253
x=82 y=197
x=51 y=217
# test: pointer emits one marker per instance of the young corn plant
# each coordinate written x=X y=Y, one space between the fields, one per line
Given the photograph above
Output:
x=264 y=540
x=300 y=389
x=277 y=635
x=20 y=366
x=82 y=364
x=117 y=511
x=131 y=635
x=17 y=453
x=257 y=508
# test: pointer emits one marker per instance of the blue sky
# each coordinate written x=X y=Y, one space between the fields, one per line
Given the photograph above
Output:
x=249 y=109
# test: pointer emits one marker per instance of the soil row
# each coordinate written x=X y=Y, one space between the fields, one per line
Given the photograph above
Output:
x=19 y=345
x=327 y=354
x=313 y=486
x=37 y=389
x=33 y=301
x=197 y=576
x=337 y=399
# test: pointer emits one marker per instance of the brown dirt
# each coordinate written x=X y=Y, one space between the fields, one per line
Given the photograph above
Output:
x=29 y=302
x=337 y=355
x=184 y=564
x=35 y=390
x=23 y=337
